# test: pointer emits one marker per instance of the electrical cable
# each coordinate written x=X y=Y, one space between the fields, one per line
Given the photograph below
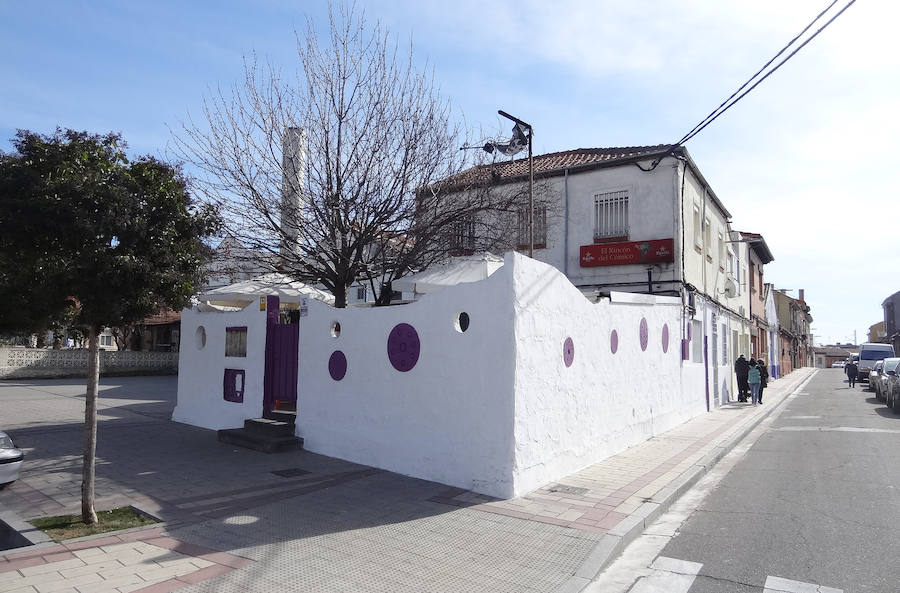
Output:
x=758 y=72
x=735 y=96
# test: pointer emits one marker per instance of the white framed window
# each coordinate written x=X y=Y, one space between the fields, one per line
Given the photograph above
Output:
x=611 y=214
x=106 y=340
x=361 y=293
x=698 y=228
x=697 y=340
x=540 y=227
x=721 y=251
x=707 y=233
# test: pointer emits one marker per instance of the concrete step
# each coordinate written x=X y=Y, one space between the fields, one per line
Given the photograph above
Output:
x=282 y=415
x=268 y=427
x=259 y=442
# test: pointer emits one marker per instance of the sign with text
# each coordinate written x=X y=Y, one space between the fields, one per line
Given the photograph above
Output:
x=632 y=252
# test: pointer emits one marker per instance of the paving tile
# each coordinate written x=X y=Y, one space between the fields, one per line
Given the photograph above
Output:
x=21 y=563
x=205 y=573
x=56 y=566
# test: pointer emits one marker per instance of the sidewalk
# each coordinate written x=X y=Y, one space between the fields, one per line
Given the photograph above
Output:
x=247 y=524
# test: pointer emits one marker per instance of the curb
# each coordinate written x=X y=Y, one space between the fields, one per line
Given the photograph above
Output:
x=614 y=542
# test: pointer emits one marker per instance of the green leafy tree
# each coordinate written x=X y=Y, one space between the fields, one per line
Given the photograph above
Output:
x=88 y=239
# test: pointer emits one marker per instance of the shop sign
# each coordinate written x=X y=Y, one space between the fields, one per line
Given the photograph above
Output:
x=632 y=252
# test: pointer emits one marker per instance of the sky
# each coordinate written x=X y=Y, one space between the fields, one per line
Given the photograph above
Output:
x=806 y=159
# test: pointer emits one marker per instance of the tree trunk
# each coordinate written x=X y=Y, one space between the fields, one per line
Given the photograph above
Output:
x=88 y=515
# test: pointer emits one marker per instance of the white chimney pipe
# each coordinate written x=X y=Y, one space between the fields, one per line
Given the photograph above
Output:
x=293 y=170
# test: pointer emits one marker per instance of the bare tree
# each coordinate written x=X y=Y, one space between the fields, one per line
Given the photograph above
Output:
x=350 y=173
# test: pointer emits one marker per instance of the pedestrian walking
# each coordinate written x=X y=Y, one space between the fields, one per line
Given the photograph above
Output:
x=763 y=377
x=741 y=368
x=753 y=379
x=852 y=372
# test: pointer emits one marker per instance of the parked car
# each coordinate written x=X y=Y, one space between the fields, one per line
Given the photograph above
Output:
x=876 y=379
x=10 y=460
x=891 y=383
x=838 y=364
x=869 y=354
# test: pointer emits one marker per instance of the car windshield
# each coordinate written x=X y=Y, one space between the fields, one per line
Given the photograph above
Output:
x=875 y=354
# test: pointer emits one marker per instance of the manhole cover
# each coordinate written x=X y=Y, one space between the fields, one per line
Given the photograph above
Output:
x=569 y=489
x=290 y=473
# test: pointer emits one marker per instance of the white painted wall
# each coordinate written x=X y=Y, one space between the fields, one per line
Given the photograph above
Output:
x=201 y=369
x=495 y=409
x=570 y=417
x=449 y=419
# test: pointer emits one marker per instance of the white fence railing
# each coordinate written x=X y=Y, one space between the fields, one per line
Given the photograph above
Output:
x=21 y=363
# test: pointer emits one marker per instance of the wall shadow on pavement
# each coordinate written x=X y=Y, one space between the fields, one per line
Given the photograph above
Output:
x=217 y=494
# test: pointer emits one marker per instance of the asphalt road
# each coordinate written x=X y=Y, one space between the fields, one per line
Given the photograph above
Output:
x=814 y=502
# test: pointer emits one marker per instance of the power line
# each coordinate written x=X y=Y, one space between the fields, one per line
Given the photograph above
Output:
x=738 y=95
x=730 y=102
x=712 y=115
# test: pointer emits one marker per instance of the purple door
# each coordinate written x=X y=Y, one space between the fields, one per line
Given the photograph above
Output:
x=282 y=340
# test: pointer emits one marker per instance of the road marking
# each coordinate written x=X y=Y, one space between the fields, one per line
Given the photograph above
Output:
x=804 y=417
x=668 y=575
x=835 y=429
x=780 y=585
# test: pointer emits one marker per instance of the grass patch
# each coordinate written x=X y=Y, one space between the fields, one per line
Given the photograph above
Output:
x=66 y=527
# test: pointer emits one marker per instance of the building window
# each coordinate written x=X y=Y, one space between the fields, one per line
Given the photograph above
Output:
x=106 y=340
x=721 y=251
x=698 y=230
x=724 y=345
x=611 y=215
x=463 y=236
x=540 y=228
x=752 y=277
x=361 y=293
x=697 y=339
x=707 y=240
x=235 y=341
x=760 y=281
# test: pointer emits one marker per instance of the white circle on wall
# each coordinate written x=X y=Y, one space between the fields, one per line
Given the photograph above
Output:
x=200 y=337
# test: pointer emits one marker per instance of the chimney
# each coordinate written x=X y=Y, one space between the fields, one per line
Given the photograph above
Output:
x=293 y=170
x=801 y=296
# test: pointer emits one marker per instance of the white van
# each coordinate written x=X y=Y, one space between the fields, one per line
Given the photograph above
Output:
x=869 y=354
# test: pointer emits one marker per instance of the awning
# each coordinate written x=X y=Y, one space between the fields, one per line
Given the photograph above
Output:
x=245 y=292
x=456 y=271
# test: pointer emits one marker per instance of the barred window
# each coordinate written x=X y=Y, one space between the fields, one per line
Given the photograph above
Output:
x=463 y=235
x=611 y=215
x=540 y=227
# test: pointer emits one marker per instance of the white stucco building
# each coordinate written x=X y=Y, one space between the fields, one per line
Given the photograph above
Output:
x=644 y=219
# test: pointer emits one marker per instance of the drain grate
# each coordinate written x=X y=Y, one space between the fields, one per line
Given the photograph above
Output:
x=568 y=489
x=292 y=472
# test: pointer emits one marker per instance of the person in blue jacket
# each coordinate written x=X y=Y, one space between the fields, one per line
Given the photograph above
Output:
x=754 y=378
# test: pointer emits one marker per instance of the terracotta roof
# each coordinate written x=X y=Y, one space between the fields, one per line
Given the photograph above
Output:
x=758 y=245
x=555 y=163
x=163 y=317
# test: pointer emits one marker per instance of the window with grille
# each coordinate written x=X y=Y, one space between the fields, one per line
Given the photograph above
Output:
x=463 y=235
x=235 y=341
x=540 y=227
x=106 y=340
x=611 y=215
x=361 y=293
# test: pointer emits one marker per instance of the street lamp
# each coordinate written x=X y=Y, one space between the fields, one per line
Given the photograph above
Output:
x=512 y=147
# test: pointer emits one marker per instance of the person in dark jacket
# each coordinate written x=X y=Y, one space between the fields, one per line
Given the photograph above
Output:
x=742 y=369
x=763 y=375
x=852 y=372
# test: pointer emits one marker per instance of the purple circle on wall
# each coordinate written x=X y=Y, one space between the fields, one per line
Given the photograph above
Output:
x=403 y=347
x=614 y=341
x=665 y=337
x=644 y=334
x=568 y=351
x=337 y=365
